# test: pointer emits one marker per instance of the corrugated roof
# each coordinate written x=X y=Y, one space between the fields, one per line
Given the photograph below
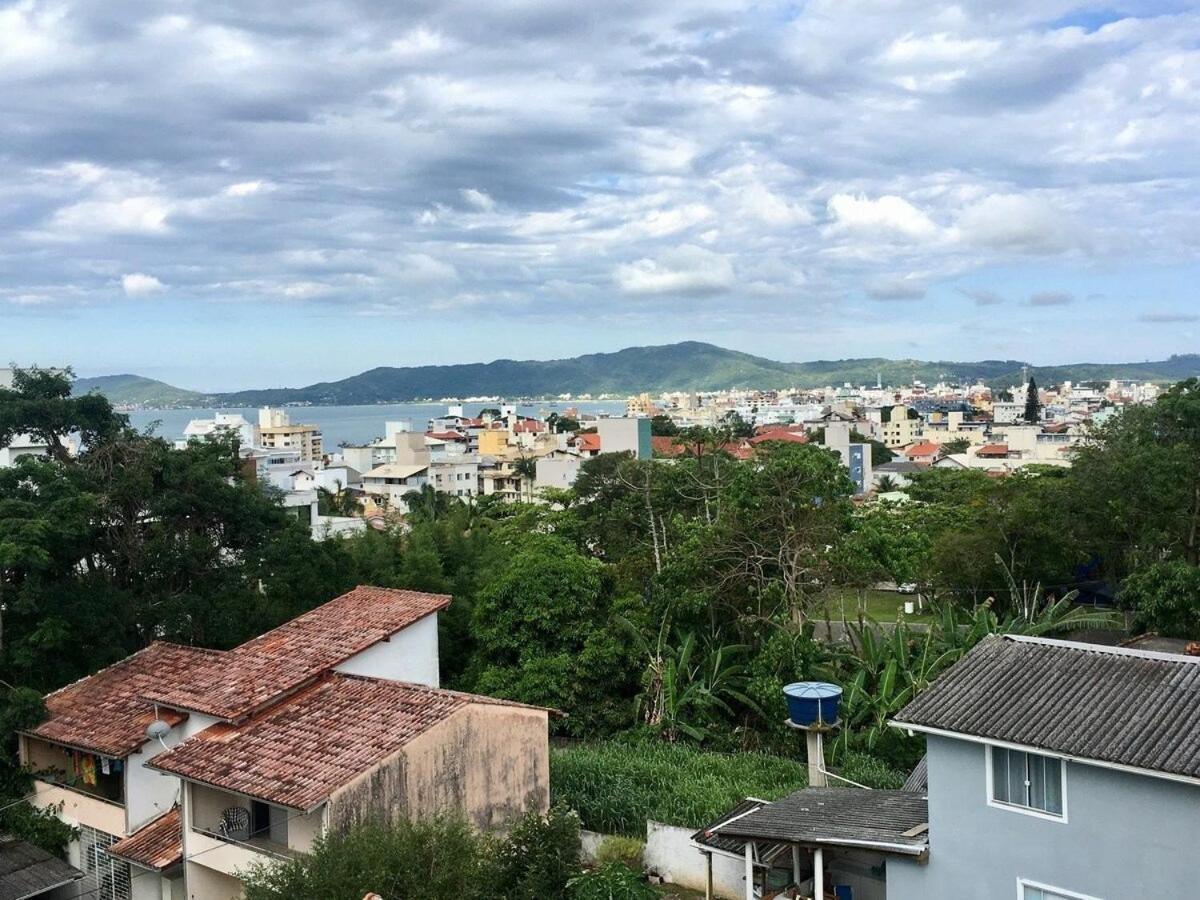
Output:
x=918 y=778
x=1111 y=704
x=106 y=712
x=29 y=871
x=240 y=681
x=157 y=845
x=298 y=752
x=885 y=820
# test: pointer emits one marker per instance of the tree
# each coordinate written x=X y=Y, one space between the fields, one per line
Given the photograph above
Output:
x=561 y=424
x=526 y=468
x=1163 y=598
x=957 y=445
x=784 y=513
x=663 y=426
x=40 y=404
x=1033 y=403
x=545 y=633
x=887 y=484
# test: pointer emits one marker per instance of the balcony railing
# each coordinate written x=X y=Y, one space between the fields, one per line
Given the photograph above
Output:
x=257 y=843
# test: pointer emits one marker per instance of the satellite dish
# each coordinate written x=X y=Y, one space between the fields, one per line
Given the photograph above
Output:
x=157 y=730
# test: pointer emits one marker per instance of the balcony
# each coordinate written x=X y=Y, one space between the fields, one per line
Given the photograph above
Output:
x=255 y=832
x=79 y=807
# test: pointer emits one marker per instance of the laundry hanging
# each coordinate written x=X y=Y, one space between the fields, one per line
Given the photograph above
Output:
x=88 y=768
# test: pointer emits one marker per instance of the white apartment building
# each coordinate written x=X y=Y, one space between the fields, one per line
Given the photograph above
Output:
x=223 y=423
x=278 y=432
x=895 y=426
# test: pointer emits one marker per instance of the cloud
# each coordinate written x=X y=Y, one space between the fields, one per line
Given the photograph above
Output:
x=887 y=216
x=687 y=269
x=982 y=296
x=1017 y=223
x=897 y=287
x=244 y=188
x=1167 y=318
x=1051 y=298
x=478 y=199
x=136 y=284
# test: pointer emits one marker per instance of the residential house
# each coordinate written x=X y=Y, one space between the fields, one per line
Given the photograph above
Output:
x=1054 y=770
x=182 y=767
x=923 y=452
x=1058 y=771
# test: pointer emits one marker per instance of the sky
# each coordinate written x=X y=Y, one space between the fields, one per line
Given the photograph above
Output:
x=225 y=194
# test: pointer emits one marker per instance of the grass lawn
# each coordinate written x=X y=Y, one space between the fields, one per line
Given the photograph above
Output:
x=883 y=606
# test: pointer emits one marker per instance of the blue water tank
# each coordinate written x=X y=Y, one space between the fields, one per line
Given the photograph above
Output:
x=812 y=702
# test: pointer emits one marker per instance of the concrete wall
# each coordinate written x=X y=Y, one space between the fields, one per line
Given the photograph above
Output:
x=625 y=435
x=410 y=655
x=206 y=884
x=671 y=854
x=1125 y=835
x=149 y=794
x=488 y=763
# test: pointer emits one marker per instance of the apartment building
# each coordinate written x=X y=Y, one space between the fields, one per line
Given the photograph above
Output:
x=181 y=767
x=895 y=426
x=277 y=431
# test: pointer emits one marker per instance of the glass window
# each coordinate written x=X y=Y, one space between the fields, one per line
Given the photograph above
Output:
x=1027 y=779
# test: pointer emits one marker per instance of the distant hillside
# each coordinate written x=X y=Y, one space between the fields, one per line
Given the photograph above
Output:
x=685 y=366
x=134 y=390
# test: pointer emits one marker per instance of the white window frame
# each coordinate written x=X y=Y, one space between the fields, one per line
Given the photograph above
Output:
x=1023 y=883
x=1028 y=810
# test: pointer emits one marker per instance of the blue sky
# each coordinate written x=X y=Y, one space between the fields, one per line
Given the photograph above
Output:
x=223 y=195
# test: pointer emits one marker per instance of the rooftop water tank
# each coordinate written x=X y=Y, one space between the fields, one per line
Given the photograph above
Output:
x=813 y=702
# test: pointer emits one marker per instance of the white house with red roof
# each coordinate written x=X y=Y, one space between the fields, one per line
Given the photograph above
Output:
x=181 y=767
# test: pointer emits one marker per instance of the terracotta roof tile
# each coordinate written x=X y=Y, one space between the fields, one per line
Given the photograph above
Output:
x=298 y=752
x=780 y=434
x=156 y=845
x=106 y=712
x=588 y=442
x=255 y=674
x=925 y=448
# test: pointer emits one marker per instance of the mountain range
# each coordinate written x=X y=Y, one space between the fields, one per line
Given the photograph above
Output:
x=687 y=366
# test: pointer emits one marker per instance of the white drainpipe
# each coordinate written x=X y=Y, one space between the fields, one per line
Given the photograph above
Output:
x=818 y=874
x=749 y=870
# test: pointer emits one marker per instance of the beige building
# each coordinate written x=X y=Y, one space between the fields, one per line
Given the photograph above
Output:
x=896 y=426
x=277 y=431
x=181 y=767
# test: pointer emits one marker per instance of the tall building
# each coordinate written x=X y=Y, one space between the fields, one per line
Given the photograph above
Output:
x=277 y=432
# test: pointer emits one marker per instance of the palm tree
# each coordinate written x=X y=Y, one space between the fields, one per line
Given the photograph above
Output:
x=886 y=484
x=526 y=467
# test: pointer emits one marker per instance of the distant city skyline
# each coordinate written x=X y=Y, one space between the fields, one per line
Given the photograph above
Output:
x=225 y=196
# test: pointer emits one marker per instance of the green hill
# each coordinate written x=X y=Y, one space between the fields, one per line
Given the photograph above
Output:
x=134 y=390
x=685 y=366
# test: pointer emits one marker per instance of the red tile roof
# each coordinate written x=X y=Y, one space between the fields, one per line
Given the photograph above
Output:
x=157 y=845
x=666 y=446
x=446 y=436
x=247 y=678
x=300 y=751
x=106 y=713
x=589 y=442
x=922 y=449
x=992 y=450
x=779 y=434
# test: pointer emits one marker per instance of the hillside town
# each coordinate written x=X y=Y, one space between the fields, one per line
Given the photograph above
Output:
x=481 y=632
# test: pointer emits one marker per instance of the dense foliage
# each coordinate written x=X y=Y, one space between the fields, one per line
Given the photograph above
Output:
x=617 y=785
x=436 y=859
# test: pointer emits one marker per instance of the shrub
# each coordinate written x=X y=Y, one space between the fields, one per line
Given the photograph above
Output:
x=624 y=850
x=869 y=770
x=613 y=881
x=538 y=857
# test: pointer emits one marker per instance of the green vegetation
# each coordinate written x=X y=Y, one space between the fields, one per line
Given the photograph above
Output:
x=438 y=859
x=625 y=850
x=685 y=366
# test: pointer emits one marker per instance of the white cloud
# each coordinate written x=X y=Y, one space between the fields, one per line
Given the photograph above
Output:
x=1017 y=222
x=138 y=283
x=244 y=188
x=889 y=215
x=478 y=199
x=686 y=269
x=128 y=215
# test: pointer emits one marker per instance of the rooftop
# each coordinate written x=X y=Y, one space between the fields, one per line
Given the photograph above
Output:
x=300 y=751
x=236 y=683
x=157 y=845
x=106 y=713
x=893 y=821
x=1136 y=708
x=396 y=470
x=29 y=871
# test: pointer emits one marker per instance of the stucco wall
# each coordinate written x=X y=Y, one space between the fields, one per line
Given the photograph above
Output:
x=1125 y=835
x=410 y=655
x=149 y=794
x=487 y=763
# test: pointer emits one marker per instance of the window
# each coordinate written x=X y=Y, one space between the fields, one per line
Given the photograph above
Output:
x=1031 y=890
x=107 y=876
x=1028 y=781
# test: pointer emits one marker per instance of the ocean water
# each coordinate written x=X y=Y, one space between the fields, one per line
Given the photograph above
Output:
x=358 y=424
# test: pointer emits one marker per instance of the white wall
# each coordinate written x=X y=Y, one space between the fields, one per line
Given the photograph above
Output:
x=671 y=853
x=410 y=655
x=149 y=794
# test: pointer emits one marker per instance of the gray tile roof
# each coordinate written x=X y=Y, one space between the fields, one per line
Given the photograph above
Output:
x=885 y=820
x=27 y=871
x=708 y=836
x=918 y=778
x=1110 y=704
